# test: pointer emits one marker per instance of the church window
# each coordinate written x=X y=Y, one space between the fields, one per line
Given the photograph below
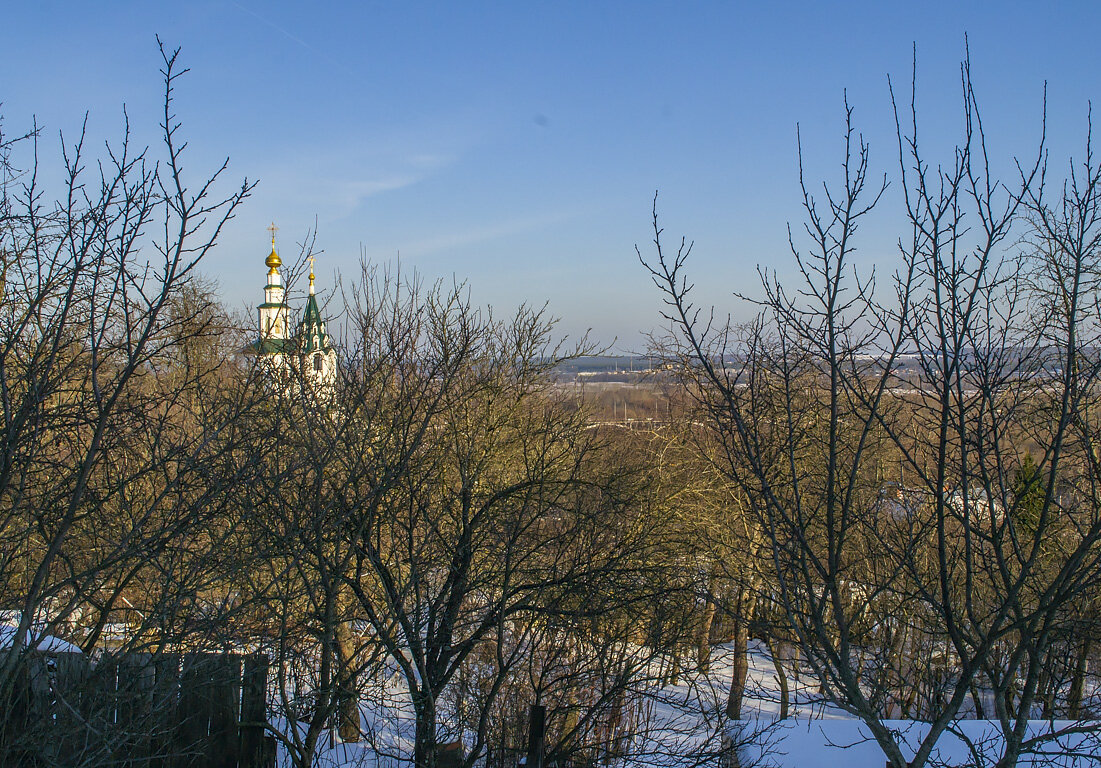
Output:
x=317 y=361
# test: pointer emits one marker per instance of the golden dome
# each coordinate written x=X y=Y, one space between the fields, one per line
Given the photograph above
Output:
x=273 y=261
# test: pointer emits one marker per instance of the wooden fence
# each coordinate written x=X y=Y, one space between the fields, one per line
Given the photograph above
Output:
x=196 y=710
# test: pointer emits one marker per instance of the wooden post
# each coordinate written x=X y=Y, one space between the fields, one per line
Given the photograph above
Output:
x=99 y=710
x=254 y=705
x=15 y=714
x=134 y=713
x=196 y=704
x=68 y=675
x=225 y=696
x=166 y=692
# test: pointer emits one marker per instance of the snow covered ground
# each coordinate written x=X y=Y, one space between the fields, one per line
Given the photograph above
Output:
x=686 y=720
x=817 y=734
x=682 y=725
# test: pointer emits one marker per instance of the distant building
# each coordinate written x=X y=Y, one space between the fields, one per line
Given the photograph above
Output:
x=307 y=354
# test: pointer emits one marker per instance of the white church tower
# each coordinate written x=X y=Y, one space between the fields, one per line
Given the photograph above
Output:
x=272 y=314
x=316 y=354
x=308 y=355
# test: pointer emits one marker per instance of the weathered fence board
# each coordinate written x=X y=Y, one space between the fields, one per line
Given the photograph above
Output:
x=191 y=745
x=253 y=711
x=166 y=691
x=225 y=698
x=134 y=714
x=201 y=710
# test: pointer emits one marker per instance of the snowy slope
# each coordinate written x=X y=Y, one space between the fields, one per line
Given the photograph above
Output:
x=685 y=726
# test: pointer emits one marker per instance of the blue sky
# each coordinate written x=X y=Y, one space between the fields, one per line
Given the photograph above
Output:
x=518 y=145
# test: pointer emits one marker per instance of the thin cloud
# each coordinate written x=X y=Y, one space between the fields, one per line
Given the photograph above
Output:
x=286 y=33
x=344 y=197
x=483 y=234
x=329 y=183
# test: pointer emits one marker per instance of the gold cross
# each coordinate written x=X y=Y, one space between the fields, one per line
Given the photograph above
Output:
x=273 y=229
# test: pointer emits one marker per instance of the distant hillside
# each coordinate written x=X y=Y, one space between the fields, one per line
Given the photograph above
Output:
x=597 y=364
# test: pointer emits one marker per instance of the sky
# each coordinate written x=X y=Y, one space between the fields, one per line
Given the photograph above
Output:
x=518 y=146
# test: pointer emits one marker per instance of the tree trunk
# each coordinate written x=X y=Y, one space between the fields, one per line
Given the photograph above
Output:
x=795 y=654
x=781 y=677
x=1077 y=683
x=741 y=649
x=347 y=693
x=703 y=638
x=977 y=698
x=741 y=670
x=1009 y=694
x=728 y=753
x=1045 y=689
x=424 y=748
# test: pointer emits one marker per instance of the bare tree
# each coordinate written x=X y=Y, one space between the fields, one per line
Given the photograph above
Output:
x=108 y=445
x=876 y=434
x=448 y=512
